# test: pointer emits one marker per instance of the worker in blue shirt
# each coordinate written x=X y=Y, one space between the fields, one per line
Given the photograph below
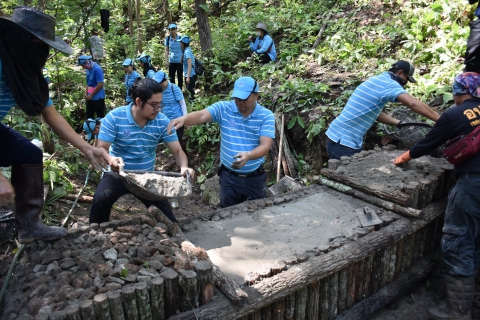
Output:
x=173 y=55
x=130 y=76
x=146 y=65
x=263 y=46
x=94 y=92
x=188 y=66
x=27 y=51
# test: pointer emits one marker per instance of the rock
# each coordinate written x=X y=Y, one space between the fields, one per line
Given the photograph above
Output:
x=131 y=278
x=88 y=294
x=146 y=279
x=148 y=272
x=53 y=270
x=225 y=213
x=112 y=286
x=116 y=280
x=39 y=268
x=110 y=254
x=164 y=249
x=168 y=242
x=38 y=291
x=303 y=258
x=74 y=294
x=143 y=252
x=157 y=265
x=51 y=255
x=211 y=193
x=67 y=263
x=216 y=218
x=100 y=270
x=99 y=282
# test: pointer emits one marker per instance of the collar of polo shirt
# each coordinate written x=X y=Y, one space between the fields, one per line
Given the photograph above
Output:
x=254 y=112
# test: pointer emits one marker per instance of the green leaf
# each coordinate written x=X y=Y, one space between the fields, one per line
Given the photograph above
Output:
x=292 y=123
x=300 y=122
x=205 y=7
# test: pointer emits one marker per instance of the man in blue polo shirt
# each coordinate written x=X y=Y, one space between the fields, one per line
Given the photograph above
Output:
x=173 y=55
x=365 y=105
x=132 y=132
x=247 y=130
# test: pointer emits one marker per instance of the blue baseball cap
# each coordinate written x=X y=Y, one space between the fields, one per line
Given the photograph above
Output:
x=172 y=26
x=89 y=125
x=127 y=62
x=184 y=39
x=160 y=76
x=145 y=58
x=83 y=59
x=244 y=87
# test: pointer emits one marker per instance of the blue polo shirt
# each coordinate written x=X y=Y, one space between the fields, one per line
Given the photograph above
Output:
x=171 y=98
x=175 y=51
x=261 y=45
x=6 y=98
x=129 y=81
x=94 y=76
x=135 y=145
x=240 y=134
x=362 y=109
x=188 y=54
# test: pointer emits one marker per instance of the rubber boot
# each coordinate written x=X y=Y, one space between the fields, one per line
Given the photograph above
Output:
x=27 y=179
x=460 y=291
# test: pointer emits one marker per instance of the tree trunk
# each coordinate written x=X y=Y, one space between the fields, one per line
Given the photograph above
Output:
x=130 y=18
x=203 y=28
x=139 y=28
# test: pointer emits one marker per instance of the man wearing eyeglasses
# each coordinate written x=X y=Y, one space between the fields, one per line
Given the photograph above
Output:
x=132 y=132
x=247 y=130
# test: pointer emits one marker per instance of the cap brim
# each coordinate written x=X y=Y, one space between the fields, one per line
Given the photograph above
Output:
x=242 y=95
x=57 y=44
x=411 y=79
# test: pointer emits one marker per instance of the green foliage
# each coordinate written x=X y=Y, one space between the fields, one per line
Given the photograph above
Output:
x=123 y=273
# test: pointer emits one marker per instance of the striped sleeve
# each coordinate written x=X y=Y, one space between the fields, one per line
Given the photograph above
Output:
x=268 y=126
x=178 y=93
x=108 y=130
x=165 y=136
x=215 y=111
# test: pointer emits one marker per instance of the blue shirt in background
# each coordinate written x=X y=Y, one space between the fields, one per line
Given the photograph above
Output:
x=171 y=98
x=240 y=134
x=135 y=145
x=362 y=109
x=261 y=45
x=94 y=76
x=129 y=81
x=188 y=54
x=6 y=98
x=175 y=51
x=150 y=74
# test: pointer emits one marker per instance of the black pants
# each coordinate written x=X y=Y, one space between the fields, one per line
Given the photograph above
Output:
x=180 y=134
x=109 y=190
x=16 y=149
x=95 y=107
x=191 y=86
x=263 y=57
x=176 y=68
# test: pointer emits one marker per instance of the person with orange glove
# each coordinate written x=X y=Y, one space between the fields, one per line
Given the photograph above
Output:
x=461 y=229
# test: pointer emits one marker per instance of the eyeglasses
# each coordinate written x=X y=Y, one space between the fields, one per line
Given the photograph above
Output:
x=154 y=108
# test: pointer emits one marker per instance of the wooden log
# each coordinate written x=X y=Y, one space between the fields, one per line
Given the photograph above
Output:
x=425 y=193
x=359 y=274
x=294 y=279
x=102 y=308
x=58 y=315
x=266 y=313
x=351 y=285
x=205 y=280
x=322 y=29
x=313 y=300
x=399 y=286
x=280 y=149
x=377 y=271
x=278 y=310
x=342 y=290
x=87 y=311
x=229 y=288
x=409 y=212
x=407 y=251
x=274 y=156
x=255 y=316
x=143 y=301
x=172 y=292
x=301 y=297
x=333 y=296
x=286 y=151
x=367 y=276
x=324 y=305
x=412 y=189
x=435 y=179
x=72 y=312
x=189 y=285
x=399 y=256
x=393 y=258
x=115 y=303
x=157 y=298
x=73 y=197
x=419 y=246
x=394 y=196
x=129 y=302
x=290 y=307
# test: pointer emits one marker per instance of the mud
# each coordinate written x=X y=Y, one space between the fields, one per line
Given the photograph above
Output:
x=161 y=186
x=242 y=244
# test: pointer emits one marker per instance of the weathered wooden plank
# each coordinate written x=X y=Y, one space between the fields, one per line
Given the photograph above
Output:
x=333 y=297
x=313 y=300
x=266 y=313
x=205 y=280
x=228 y=287
x=129 y=302
x=278 y=310
x=115 y=303
x=351 y=285
x=408 y=244
x=102 y=308
x=419 y=246
x=189 y=285
x=271 y=289
x=172 y=292
x=367 y=276
x=393 y=258
x=157 y=301
x=359 y=281
x=395 y=196
x=342 y=289
x=290 y=307
x=143 y=301
x=399 y=256
x=430 y=237
x=73 y=312
x=377 y=272
x=367 y=307
x=324 y=301
x=301 y=304
x=87 y=310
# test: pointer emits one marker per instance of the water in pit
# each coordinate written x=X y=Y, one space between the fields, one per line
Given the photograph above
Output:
x=246 y=243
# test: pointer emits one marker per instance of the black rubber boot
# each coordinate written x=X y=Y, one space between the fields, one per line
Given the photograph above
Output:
x=460 y=291
x=27 y=179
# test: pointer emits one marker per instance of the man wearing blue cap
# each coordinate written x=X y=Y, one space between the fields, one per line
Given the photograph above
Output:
x=25 y=42
x=94 y=92
x=173 y=55
x=247 y=130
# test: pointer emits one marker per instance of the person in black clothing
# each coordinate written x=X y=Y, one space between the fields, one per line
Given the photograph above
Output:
x=461 y=230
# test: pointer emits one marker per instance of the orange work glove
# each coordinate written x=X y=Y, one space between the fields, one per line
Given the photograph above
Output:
x=403 y=158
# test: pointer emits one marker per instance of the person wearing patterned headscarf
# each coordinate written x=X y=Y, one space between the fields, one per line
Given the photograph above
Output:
x=461 y=230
